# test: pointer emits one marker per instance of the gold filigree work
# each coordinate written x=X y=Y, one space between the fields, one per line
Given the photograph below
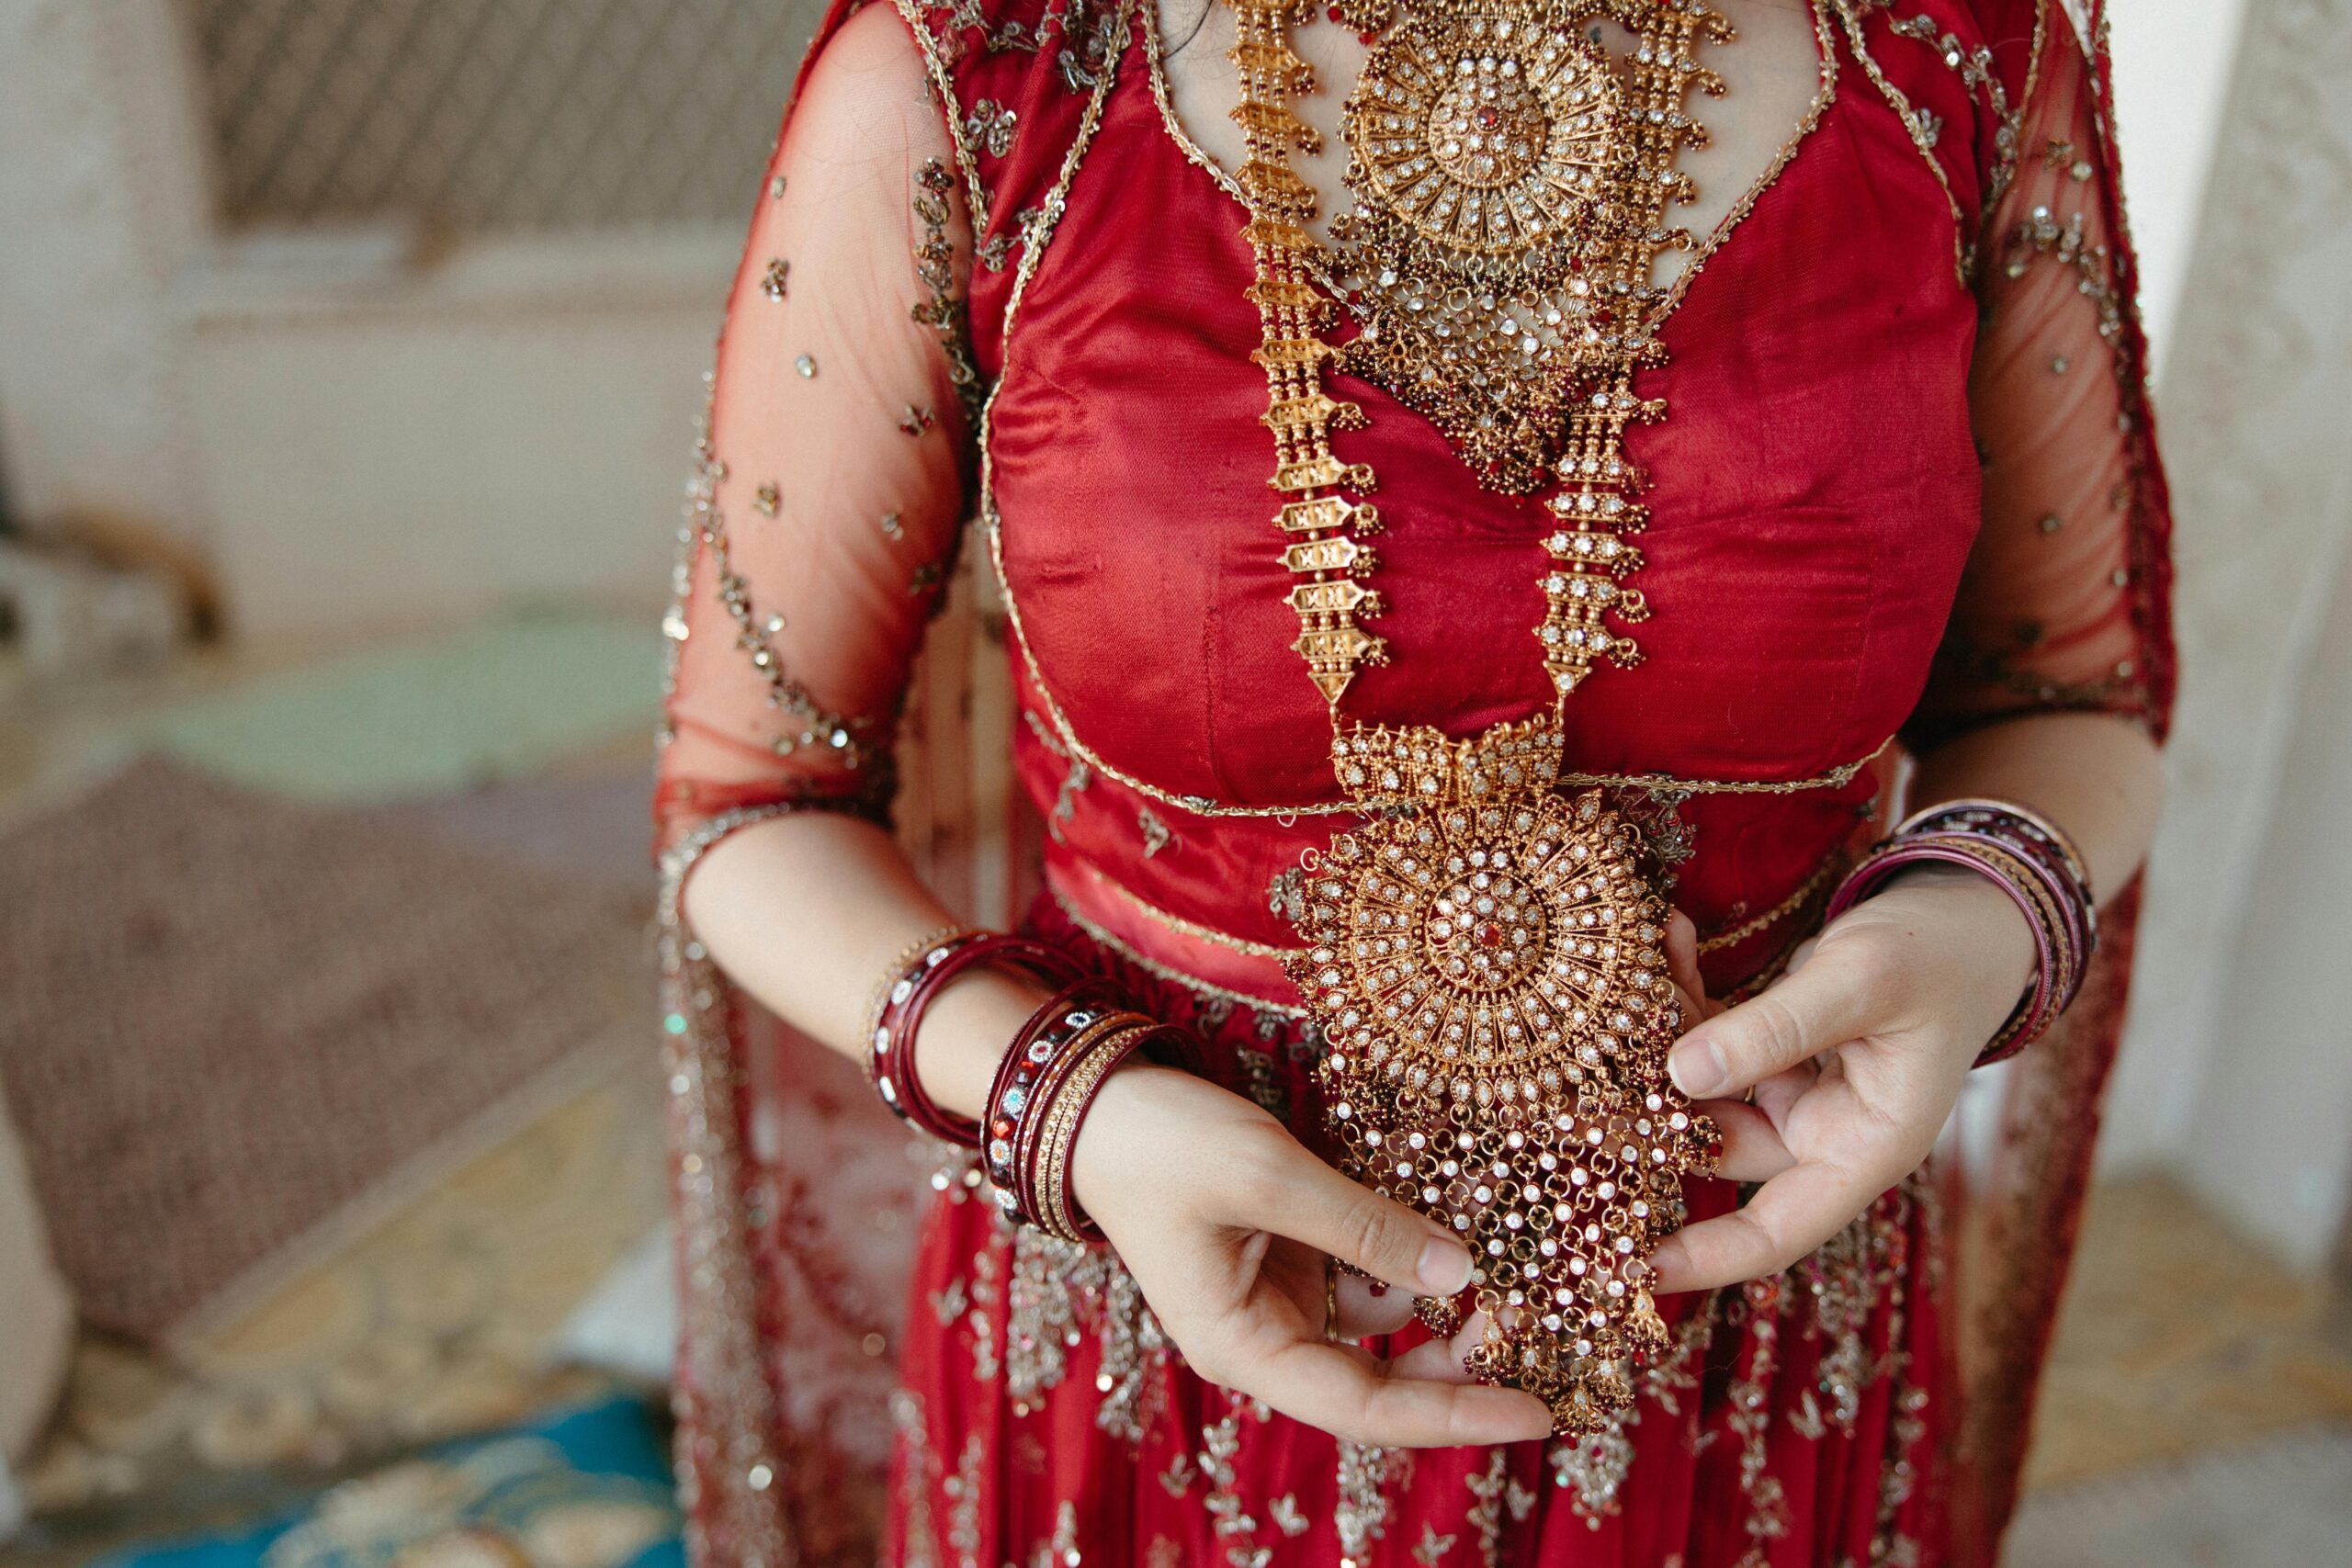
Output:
x=1484 y=955
x=1488 y=965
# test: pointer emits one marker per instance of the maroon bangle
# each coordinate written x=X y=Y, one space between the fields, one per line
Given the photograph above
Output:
x=1050 y=1028
x=2010 y=820
x=890 y=1057
x=2058 y=966
x=2036 y=838
x=1043 y=1089
x=2048 y=871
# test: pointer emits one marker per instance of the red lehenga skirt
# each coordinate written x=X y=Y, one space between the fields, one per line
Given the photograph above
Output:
x=1045 y=1419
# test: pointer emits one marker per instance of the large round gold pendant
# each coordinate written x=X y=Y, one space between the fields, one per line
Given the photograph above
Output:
x=1487 y=964
x=1488 y=135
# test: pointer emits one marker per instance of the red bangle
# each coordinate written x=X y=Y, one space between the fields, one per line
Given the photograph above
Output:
x=907 y=997
x=1044 y=1088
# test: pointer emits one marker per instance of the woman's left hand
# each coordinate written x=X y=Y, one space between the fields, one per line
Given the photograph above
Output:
x=1855 y=1056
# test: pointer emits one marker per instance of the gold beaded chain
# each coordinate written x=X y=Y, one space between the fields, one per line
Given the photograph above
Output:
x=1485 y=954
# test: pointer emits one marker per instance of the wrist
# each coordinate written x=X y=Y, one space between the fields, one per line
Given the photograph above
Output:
x=1117 y=1127
x=1971 y=914
x=969 y=1027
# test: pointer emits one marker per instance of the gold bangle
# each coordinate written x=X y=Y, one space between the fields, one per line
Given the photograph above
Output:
x=1106 y=1048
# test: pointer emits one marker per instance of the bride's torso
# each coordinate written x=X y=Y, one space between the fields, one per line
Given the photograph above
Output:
x=1814 y=487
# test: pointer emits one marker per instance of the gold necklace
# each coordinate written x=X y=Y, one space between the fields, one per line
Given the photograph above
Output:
x=1484 y=955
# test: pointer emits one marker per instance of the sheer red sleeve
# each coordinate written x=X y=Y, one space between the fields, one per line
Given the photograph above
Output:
x=2064 y=601
x=831 y=476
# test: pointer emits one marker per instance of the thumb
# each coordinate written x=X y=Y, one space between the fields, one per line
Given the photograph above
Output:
x=1822 y=1004
x=1368 y=1230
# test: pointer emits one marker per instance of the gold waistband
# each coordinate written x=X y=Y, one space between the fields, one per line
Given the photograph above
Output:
x=1151 y=965
x=1832 y=867
x=1058 y=723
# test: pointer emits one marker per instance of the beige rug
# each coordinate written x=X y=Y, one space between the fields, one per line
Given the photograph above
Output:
x=2178 y=1337
x=2283 y=1501
x=232 y=1020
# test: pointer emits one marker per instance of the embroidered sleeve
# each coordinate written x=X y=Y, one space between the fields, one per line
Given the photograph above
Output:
x=831 y=473
x=2064 y=601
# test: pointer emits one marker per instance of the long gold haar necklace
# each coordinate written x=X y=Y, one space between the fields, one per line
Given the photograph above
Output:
x=1485 y=954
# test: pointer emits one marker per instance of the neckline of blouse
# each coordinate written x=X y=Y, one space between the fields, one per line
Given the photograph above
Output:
x=1154 y=48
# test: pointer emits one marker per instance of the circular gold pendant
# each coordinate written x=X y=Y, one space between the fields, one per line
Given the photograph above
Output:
x=1505 y=952
x=1488 y=966
x=1490 y=136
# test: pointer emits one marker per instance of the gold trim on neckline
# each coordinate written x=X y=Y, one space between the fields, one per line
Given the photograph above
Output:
x=1825 y=30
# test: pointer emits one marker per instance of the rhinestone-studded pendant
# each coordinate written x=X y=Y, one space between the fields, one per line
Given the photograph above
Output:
x=1487 y=963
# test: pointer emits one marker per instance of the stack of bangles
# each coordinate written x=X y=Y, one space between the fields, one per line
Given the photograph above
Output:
x=2027 y=857
x=1044 y=1086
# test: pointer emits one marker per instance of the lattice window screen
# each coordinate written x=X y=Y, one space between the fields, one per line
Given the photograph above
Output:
x=495 y=115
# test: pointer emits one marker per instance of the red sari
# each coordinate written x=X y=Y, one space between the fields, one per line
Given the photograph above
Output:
x=1907 y=486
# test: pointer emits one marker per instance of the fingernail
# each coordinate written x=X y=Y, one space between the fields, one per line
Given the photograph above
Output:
x=1698 y=1067
x=1444 y=1267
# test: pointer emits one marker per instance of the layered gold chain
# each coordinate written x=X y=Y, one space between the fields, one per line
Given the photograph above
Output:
x=1512 y=189
x=1325 y=552
x=1485 y=954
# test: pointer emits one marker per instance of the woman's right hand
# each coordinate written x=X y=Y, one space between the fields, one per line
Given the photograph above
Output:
x=1226 y=1221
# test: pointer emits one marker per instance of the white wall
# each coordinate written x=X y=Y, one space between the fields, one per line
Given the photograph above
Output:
x=2235 y=1074
x=104 y=196
x=513 y=422
x=2172 y=76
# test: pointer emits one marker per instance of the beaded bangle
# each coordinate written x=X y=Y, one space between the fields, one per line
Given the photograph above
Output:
x=903 y=968
x=1043 y=1090
x=2031 y=861
x=906 y=996
x=2009 y=820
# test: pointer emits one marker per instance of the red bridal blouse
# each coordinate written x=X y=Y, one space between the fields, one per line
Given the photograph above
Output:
x=1907 y=486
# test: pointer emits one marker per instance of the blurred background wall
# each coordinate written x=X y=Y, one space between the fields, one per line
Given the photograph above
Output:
x=396 y=308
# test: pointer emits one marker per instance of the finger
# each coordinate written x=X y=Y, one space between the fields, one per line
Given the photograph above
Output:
x=1298 y=1196
x=1683 y=961
x=1346 y=1392
x=1432 y=1360
x=1443 y=1361
x=1786 y=1218
x=1836 y=997
x=1365 y=1311
x=1777 y=1096
x=1752 y=1147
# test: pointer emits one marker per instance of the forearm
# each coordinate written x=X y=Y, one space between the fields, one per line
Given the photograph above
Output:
x=2099 y=777
x=806 y=912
